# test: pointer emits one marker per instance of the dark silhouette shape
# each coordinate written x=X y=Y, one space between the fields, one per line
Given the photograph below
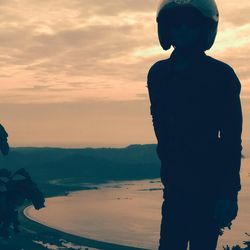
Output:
x=15 y=189
x=237 y=247
x=4 y=146
x=14 y=192
x=197 y=119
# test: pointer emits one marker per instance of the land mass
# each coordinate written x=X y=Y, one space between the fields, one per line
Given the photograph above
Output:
x=58 y=171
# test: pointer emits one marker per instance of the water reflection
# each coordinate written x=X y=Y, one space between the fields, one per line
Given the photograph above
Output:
x=129 y=213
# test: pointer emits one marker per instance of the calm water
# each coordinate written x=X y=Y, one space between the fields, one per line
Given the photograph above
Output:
x=129 y=213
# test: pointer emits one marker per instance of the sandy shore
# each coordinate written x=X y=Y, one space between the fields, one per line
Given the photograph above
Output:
x=35 y=236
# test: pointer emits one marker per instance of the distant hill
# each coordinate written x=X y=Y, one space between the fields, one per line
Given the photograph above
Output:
x=92 y=165
x=57 y=170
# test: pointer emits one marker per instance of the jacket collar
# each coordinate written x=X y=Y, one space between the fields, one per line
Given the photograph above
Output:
x=195 y=56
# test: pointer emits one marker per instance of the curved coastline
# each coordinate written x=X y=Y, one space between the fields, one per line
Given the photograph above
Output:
x=54 y=236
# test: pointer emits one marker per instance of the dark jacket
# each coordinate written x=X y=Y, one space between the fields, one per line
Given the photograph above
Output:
x=197 y=119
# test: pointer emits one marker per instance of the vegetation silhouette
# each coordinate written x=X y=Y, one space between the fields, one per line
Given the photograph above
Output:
x=15 y=189
x=237 y=247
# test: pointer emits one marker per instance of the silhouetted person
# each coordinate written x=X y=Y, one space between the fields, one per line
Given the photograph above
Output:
x=197 y=119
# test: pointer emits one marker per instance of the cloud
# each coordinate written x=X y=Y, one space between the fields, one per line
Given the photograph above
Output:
x=78 y=68
x=107 y=46
x=234 y=12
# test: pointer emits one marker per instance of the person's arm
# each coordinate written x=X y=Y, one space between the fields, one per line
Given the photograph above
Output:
x=155 y=107
x=230 y=138
x=154 y=101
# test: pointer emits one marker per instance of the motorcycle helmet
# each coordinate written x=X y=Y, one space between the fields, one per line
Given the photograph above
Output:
x=206 y=10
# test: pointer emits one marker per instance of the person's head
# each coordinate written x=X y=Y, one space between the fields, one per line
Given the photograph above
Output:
x=185 y=25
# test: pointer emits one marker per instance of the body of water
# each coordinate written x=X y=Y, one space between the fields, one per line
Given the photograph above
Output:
x=129 y=213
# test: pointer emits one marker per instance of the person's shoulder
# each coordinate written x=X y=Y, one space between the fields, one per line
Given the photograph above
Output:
x=157 y=67
x=226 y=73
x=219 y=66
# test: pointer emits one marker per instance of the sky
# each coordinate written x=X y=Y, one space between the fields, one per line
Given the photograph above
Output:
x=73 y=72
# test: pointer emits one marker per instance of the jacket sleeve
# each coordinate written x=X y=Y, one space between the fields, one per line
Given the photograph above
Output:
x=230 y=137
x=155 y=107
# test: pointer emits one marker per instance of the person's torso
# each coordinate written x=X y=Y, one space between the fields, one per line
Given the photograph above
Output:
x=189 y=106
x=189 y=111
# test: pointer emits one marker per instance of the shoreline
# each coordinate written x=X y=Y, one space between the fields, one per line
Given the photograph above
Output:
x=33 y=232
x=35 y=235
x=53 y=236
x=81 y=242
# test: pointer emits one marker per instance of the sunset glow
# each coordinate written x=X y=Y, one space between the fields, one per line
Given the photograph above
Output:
x=73 y=73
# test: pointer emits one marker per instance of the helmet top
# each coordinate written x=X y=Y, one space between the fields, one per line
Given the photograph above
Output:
x=208 y=8
x=201 y=10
